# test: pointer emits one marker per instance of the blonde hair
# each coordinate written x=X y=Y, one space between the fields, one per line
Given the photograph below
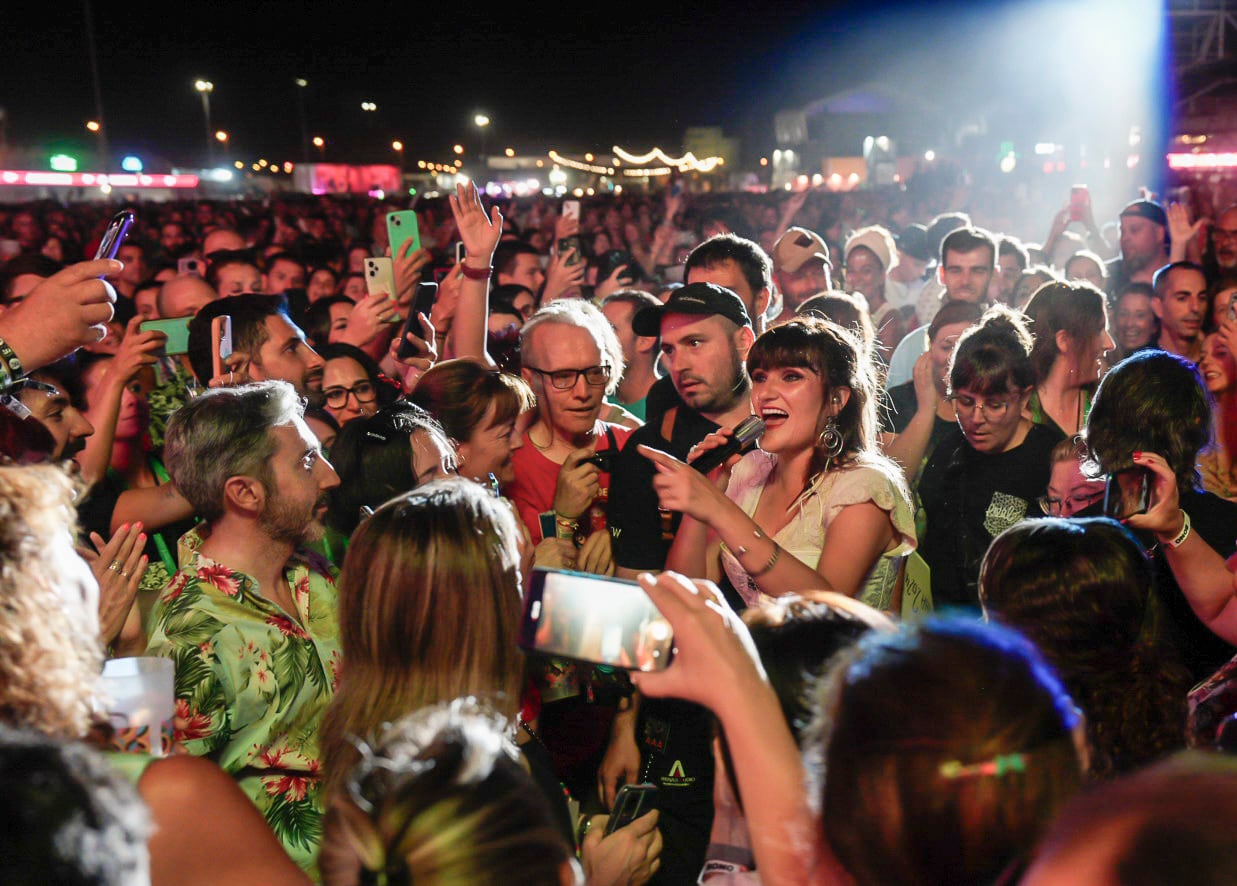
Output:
x=50 y=653
x=429 y=610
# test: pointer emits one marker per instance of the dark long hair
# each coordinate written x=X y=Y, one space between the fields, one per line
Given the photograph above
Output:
x=1081 y=590
x=906 y=718
x=1151 y=401
x=1075 y=308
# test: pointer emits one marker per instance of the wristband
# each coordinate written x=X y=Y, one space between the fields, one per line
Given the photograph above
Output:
x=1181 y=536
x=10 y=366
x=471 y=273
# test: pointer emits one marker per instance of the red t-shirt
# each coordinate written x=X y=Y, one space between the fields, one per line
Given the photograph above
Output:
x=536 y=477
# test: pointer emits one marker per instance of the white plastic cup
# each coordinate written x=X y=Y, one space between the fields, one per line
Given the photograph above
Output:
x=141 y=704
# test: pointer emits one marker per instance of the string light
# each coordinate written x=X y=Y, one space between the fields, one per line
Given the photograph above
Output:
x=689 y=162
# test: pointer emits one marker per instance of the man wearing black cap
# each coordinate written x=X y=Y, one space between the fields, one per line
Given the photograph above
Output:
x=705 y=332
x=1144 y=247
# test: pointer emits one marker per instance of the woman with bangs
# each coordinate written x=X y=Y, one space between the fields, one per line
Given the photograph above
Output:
x=988 y=473
x=817 y=505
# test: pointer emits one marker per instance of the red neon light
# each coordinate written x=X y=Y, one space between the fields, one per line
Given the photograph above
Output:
x=95 y=179
x=1202 y=161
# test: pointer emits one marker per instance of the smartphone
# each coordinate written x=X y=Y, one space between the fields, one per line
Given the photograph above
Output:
x=1079 y=202
x=571 y=209
x=612 y=261
x=1127 y=493
x=606 y=621
x=177 y=331
x=604 y=460
x=117 y=228
x=402 y=227
x=221 y=342
x=380 y=277
x=572 y=242
x=189 y=267
x=423 y=299
x=633 y=801
x=422 y=303
x=459 y=252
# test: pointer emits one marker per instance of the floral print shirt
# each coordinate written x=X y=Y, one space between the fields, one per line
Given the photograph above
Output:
x=252 y=683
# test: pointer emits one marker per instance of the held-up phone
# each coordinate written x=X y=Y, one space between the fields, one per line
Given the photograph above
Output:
x=177 y=331
x=1127 y=493
x=221 y=342
x=1079 y=202
x=612 y=261
x=571 y=209
x=604 y=460
x=606 y=621
x=459 y=252
x=189 y=267
x=117 y=228
x=402 y=227
x=633 y=801
x=380 y=278
x=422 y=303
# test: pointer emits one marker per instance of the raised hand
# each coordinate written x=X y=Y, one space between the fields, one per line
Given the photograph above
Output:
x=61 y=314
x=562 y=276
x=480 y=232
x=118 y=565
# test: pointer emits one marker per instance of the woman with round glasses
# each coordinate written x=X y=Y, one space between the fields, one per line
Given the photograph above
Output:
x=988 y=474
x=352 y=383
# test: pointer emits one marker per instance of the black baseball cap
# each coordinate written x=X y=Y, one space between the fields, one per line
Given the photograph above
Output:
x=705 y=299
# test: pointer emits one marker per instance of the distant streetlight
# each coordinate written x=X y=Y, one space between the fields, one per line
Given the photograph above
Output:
x=320 y=144
x=221 y=137
x=459 y=149
x=93 y=125
x=482 y=122
x=205 y=88
x=301 y=85
x=398 y=147
x=510 y=152
x=368 y=106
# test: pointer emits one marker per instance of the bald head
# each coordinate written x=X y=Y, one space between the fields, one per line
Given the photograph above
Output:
x=221 y=239
x=184 y=297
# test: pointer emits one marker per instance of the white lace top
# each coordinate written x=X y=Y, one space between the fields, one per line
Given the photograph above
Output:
x=803 y=537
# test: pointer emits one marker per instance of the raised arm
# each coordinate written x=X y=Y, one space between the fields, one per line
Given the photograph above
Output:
x=1201 y=573
x=480 y=233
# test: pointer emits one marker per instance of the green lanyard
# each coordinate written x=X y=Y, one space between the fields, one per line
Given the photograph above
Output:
x=165 y=553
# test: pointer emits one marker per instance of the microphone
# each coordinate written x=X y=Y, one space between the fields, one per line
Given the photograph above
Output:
x=746 y=433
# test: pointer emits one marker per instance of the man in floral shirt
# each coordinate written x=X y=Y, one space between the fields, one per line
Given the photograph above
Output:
x=250 y=617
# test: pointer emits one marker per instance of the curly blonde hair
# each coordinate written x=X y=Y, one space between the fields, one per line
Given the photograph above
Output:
x=50 y=654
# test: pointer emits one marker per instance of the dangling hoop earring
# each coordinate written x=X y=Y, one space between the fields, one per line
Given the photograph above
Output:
x=830 y=440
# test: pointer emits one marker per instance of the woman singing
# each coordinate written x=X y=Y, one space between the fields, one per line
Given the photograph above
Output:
x=817 y=505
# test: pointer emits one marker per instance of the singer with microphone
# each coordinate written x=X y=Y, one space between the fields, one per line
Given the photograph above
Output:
x=816 y=506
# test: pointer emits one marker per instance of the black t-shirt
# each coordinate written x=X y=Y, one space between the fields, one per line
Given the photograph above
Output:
x=674 y=736
x=969 y=498
x=639 y=530
x=901 y=406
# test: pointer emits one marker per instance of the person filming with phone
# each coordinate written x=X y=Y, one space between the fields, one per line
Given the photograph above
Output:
x=1150 y=412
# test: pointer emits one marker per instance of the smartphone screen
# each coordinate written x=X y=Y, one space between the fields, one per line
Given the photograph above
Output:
x=633 y=801
x=1127 y=493
x=601 y=620
x=115 y=234
x=177 y=331
x=1079 y=200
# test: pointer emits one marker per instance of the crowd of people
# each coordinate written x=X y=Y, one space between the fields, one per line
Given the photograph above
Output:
x=965 y=598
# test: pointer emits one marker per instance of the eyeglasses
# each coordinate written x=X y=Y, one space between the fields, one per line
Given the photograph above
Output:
x=1224 y=234
x=1077 y=502
x=991 y=409
x=565 y=379
x=364 y=391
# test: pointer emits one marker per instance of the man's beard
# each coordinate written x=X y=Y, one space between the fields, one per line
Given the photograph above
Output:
x=725 y=398
x=284 y=521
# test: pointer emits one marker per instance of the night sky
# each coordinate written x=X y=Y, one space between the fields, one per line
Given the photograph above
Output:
x=573 y=77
